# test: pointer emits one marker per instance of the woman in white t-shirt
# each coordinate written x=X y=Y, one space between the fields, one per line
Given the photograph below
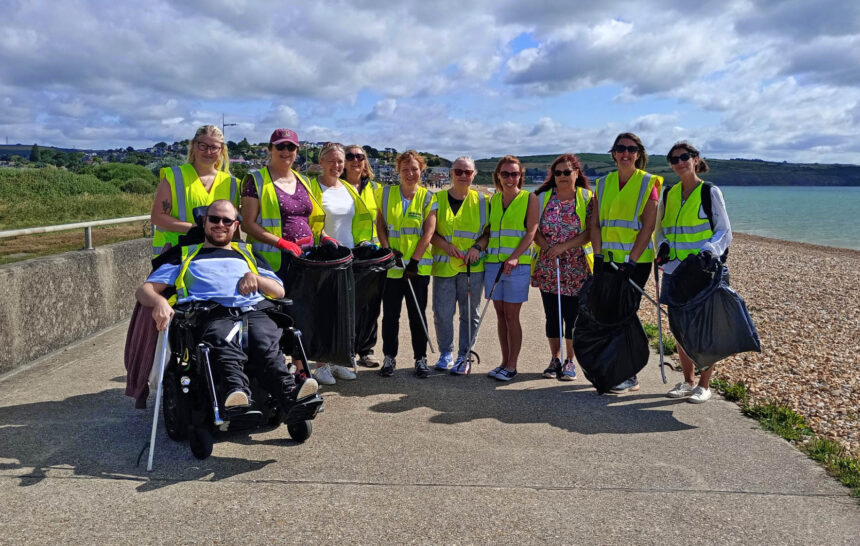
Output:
x=347 y=220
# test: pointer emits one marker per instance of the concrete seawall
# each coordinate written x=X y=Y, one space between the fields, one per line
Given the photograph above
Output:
x=49 y=303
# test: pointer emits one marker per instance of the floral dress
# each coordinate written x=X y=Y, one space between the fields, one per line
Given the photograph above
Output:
x=558 y=224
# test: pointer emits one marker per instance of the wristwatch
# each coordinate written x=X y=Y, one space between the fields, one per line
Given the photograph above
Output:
x=477 y=247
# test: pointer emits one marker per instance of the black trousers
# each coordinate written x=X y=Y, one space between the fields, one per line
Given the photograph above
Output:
x=396 y=290
x=569 y=311
x=370 y=318
x=256 y=354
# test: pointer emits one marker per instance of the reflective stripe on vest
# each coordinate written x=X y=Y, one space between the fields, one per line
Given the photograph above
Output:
x=620 y=220
x=186 y=196
x=685 y=225
x=405 y=228
x=507 y=228
x=461 y=230
x=188 y=253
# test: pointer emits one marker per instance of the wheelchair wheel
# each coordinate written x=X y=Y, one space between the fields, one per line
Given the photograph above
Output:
x=201 y=442
x=300 y=431
x=175 y=417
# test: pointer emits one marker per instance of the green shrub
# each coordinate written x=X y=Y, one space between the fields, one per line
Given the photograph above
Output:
x=781 y=419
x=123 y=172
x=138 y=185
x=22 y=184
x=832 y=455
x=734 y=392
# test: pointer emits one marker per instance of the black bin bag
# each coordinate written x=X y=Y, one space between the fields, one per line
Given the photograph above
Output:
x=713 y=324
x=370 y=267
x=321 y=285
x=608 y=339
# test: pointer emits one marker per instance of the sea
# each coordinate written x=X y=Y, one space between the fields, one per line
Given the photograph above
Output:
x=821 y=215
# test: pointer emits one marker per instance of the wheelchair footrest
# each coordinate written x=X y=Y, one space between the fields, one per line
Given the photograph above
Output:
x=242 y=419
x=305 y=409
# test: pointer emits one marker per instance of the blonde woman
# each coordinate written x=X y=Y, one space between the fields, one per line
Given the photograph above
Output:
x=184 y=192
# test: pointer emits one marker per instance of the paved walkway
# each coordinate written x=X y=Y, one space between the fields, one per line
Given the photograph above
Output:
x=399 y=460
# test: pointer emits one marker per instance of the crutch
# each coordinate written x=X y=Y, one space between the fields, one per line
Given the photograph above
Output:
x=164 y=341
x=659 y=317
x=561 y=341
x=474 y=336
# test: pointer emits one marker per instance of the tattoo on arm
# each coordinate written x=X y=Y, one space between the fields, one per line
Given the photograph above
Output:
x=165 y=206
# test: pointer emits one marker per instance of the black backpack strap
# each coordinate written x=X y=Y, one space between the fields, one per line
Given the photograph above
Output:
x=706 y=202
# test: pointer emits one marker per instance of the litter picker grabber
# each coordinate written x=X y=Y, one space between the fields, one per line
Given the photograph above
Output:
x=660 y=311
x=660 y=322
x=561 y=339
x=420 y=316
x=474 y=336
x=469 y=316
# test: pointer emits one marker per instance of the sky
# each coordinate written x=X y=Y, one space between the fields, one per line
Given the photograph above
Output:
x=774 y=80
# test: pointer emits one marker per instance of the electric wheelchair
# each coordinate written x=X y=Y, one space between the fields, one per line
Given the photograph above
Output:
x=191 y=405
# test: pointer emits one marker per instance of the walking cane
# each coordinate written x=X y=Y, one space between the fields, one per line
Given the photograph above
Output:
x=161 y=367
x=659 y=322
x=561 y=339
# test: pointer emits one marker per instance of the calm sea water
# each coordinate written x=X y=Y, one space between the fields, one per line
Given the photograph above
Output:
x=808 y=214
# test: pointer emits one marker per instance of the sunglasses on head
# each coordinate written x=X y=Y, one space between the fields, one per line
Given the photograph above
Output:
x=566 y=172
x=461 y=172
x=220 y=220
x=354 y=157
x=289 y=146
x=676 y=158
x=509 y=174
x=620 y=149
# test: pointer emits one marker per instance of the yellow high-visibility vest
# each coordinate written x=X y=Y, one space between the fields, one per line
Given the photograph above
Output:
x=405 y=227
x=461 y=229
x=620 y=213
x=188 y=253
x=188 y=196
x=507 y=228
x=685 y=225
x=363 y=221
x=269 y=216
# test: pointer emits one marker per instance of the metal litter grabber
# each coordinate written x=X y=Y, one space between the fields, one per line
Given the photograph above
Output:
x=470 y=353
x=561 y=341
x=420 y=315
x=660 y=312
x=163 y=337
x=474 y=336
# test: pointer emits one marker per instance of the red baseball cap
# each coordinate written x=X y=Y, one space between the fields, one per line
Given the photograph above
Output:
x=284 y=135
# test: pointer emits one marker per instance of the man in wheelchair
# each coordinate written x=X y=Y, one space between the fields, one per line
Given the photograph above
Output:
x=243 y=340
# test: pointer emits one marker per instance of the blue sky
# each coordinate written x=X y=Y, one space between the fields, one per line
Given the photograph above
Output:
x=776 y=80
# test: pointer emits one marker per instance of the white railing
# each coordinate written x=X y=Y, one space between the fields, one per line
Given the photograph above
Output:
x=87 y=226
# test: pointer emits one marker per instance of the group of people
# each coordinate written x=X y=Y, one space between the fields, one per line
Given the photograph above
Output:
x=554 y=239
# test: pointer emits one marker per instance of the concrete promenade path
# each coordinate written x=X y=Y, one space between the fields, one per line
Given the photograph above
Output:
x=465 y=460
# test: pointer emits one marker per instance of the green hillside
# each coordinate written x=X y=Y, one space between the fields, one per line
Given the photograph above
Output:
x=724 y=172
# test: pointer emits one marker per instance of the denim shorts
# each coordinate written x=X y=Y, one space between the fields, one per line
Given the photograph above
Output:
x=513 y=288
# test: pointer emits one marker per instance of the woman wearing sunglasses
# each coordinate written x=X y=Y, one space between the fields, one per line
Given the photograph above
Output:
x=461 y=217
x=359 y=174
x=563 y=235
x=278 y=211
x=684 y=232
x=514 y=214
x=184 y=192
x=623 y=220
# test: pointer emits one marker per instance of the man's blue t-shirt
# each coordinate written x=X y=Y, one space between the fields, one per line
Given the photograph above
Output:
x=214 y=275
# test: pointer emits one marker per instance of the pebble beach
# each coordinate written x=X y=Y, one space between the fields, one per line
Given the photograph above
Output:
x=805 y=301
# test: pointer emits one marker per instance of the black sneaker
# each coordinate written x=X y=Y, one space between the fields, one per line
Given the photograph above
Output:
x=388 y=364
x=553 y=370
x=421 y=369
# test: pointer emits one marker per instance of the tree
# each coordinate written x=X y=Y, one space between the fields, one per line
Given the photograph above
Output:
x=160 y=145
x=35 y=154
x=244 y=146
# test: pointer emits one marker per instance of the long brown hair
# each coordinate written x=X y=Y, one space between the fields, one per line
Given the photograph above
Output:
x=549 y=183
x=642 y=157
x=507 y=159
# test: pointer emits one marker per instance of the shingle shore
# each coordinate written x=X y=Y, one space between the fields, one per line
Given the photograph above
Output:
x=805 y=301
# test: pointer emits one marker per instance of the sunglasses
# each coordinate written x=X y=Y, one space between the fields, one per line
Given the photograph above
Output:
x=461 y=172
x=620 y=149
x=677 y=158
x=203 y=147
x=566 y=172
x=289 y=146
x=354 y=157
x=509 y=174
x=220 y=220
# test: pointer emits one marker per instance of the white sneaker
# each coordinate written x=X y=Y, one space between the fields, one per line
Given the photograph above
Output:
x=680 y=390
x=699 y=396
x=342 y=372
x=324 y=376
